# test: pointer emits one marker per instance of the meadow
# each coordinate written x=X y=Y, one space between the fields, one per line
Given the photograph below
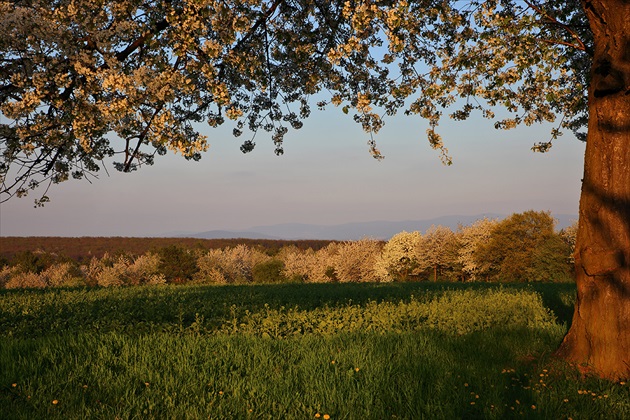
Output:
x=296 y=351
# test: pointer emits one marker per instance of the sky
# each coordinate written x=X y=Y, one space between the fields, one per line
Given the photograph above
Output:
x=326 y=176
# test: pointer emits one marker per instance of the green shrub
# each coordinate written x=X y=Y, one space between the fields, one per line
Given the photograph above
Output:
x=269 y=272
x=551 y=261
x=32 y=262
x=177 y=264
x=456 y=312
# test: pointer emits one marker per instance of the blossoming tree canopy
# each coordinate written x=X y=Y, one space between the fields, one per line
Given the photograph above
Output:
x=84 y=80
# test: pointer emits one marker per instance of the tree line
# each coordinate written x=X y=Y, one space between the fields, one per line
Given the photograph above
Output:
x=523 y=247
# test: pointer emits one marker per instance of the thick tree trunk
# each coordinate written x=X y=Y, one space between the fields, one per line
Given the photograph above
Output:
x=599 y=338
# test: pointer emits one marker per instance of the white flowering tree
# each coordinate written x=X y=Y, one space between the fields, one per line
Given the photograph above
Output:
x=470 y=238
x=398 y=259
x=355 y=261
x=229 y=265
x=437 y=250
x=297 y=263
x=82 y=80
x=569 y=236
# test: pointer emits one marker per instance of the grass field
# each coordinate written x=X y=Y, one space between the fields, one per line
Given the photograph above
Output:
x=339 y=351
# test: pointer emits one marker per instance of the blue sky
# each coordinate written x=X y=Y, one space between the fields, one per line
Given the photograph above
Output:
x=326 y=176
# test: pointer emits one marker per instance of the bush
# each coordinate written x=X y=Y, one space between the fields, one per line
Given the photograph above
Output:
x=21 y=280
x=32 y=262
x=551 y=261
x=177 y=264
x=228 y=266
x=65 y=274
x=454 y=312
x=356 y=261
x=269 y=272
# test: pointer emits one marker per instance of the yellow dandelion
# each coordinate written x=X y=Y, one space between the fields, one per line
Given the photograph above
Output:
x=55 y=402
x=622 y=383
x=13 y=385
x=466 y=384
x=356 y=369
x=472 y=403
x=533 y=407
x=566 y=400
x=317 y=415
x=605 y=395
x=220 y=392
x=326 y=416
x=146 y=384
x=332 y=363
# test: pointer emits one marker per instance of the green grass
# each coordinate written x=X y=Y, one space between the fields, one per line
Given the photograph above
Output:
x=293 y=351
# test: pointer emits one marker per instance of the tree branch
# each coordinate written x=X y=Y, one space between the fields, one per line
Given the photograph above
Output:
x=552 y=19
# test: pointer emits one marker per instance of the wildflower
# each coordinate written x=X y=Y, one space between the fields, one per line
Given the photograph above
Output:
x=356 y=369
x=13 y=385
x=317 y=415
x=466 y=384
x=332 y=363
x=472 y=403
x=533 y=407
x=55 y=402
x=566 y=400
x=146 y=384
x=220 y=392
x=326 y=416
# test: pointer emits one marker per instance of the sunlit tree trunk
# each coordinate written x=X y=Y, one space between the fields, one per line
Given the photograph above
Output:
x=599 y=338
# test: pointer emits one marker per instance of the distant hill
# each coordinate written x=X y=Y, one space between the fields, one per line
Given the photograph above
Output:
x=353 y=231
x=227 y=234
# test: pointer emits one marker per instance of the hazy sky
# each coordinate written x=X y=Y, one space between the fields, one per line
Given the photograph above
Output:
x=326 y=176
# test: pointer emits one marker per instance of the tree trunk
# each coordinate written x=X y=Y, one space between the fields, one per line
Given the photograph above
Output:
x=599 y=338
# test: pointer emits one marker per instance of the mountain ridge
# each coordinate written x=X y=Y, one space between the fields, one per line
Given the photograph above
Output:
x=378 y=229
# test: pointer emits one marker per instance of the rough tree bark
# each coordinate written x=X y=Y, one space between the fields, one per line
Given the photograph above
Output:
x=599 y=338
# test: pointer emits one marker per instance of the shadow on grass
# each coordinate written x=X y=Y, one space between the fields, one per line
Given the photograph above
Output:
x=425 y=374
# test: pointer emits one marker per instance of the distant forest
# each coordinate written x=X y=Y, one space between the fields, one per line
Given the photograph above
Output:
x=84 y=248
